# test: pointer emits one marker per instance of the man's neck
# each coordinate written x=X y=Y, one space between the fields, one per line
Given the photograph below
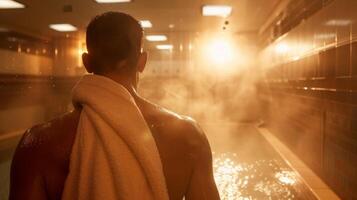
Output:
x=128 y=82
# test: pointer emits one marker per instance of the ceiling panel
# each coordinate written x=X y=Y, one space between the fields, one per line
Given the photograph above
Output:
x=248 y=15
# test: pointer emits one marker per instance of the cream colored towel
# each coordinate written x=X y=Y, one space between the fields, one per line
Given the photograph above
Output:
x=114 y=155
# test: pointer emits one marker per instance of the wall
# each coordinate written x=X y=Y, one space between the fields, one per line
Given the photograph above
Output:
x=21 y=63
x=311 y=89
x=67 y=56
x=30 y=72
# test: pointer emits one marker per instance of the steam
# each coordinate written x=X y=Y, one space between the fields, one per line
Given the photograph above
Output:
x=209 y=94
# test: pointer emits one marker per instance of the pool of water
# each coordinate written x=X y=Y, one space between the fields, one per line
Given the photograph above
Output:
x=246 y=167
x=262 y=179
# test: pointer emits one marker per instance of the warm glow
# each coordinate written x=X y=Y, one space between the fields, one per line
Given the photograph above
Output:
x=156 y=38
x=82 y=48
x=220 y=51
x=63 y=27
x=262 y=179
x=216 y=10
x=281 y=48
x=227 y=173
x=145 y=23
x=113 y=1
x=286 y=177
x=9 y=4
x=325 y=36
x=339 y=22
x=221 y=54
x=164 y=47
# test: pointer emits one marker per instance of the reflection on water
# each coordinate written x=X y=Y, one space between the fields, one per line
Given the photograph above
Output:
x=286 y=177
x=263 y=179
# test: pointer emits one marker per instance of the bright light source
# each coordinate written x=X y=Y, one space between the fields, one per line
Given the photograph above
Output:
x=63 y=27
x=281 y=48
x=156 y=38
x=10 y=4
x=339 y=22
x=216 y=10
x=164 y=47
x=220 y=51
x=145 y=23
x=296 y=58
x=221 y=54
x=113 y=1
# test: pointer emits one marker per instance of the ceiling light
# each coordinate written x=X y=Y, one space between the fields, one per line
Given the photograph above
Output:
x=10 y=4
x=3 y=29
x=164 y=47
x=63 y=27
x=339 y=22
x=113 y=1
x=156 y=38
x=145 y=24
x=216 y=10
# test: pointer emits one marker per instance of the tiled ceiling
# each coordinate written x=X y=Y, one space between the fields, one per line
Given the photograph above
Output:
x=248 y=15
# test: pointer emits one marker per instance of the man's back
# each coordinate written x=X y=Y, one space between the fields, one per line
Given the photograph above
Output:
x=41 y=162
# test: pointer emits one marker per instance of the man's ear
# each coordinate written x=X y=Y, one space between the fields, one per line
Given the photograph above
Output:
x=87 y=62
x=142 y=61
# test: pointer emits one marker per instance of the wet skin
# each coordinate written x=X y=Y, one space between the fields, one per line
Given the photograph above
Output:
x=41 y=162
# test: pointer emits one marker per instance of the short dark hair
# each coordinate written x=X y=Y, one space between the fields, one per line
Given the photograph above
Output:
x=112 y=37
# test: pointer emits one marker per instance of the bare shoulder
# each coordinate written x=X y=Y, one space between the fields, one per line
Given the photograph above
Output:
x=181 y=130
x=40 y=163
x=45 y=143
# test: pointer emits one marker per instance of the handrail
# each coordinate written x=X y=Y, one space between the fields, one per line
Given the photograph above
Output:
x=11 y=135
x=7 y=140
x=19 y=78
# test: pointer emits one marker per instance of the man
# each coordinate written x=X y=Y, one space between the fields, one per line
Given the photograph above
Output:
x=41 y=163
